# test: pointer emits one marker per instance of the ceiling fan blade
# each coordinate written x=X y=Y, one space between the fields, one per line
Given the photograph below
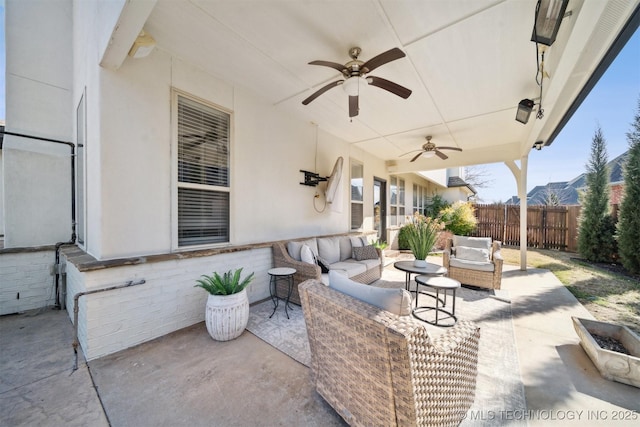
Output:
x=321 y=91
x=450 y=148
x=441 y=155
x=354 y=108
x=392 y=87
x=416 y=156
x=383 y=58
x=334 y=65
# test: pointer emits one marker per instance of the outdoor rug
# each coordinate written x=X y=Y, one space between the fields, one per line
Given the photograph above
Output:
x=499 y=390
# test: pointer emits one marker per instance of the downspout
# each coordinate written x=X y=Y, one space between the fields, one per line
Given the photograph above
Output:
x=76 y=309
x=72 y=240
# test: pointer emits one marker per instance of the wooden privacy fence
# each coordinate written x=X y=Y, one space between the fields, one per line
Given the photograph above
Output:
x=548 y=227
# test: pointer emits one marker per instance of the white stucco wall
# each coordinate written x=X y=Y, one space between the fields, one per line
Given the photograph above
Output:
x=37 y=175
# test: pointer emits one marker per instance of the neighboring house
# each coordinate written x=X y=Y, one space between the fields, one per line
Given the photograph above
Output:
x=567 y=193
x=139 y=163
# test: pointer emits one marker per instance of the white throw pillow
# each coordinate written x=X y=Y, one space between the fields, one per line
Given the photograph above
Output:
x=472 y=254
x=394 y=300
x=306 y=255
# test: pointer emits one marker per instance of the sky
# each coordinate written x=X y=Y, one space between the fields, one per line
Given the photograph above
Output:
x=612 y=105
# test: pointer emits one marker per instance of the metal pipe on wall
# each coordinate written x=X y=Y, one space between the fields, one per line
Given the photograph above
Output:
x=72 y=240
x=76 y=310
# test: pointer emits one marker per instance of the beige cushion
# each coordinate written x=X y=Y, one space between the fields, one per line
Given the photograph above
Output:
x=471 y=265
x=345 y=248
x=294 y=248
x=329 y=249
x=472 y=254
x=349 y=267
x=306 y=255
x=394 y=300
x=473 y=242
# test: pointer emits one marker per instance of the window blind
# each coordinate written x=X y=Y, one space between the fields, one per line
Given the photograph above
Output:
x=203 y=160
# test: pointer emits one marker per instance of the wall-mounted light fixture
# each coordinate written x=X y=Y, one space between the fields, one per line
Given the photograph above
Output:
x=549 y=14
x=143 y=45
x=538 y=145
x=524 y=110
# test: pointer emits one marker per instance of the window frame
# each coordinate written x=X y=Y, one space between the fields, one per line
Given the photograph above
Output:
x=352 y=201
x=81 y=170
x=176 y=184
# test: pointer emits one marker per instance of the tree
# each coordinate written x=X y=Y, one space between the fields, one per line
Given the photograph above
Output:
x=629 y=214
x=596 y=241
x=478 y=176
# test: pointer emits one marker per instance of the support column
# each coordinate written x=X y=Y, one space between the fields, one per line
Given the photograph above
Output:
x=522 y=194
x=520 y=174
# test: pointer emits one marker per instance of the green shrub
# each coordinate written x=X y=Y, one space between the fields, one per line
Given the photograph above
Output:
x=436 y=206
x=459 y=218
x=596 y=230
x=629 y=219
x=403 y=241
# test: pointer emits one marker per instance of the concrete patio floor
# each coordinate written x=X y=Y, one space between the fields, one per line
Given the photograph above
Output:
x=187 y=379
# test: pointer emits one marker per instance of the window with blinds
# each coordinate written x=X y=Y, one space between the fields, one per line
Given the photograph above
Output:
x=203 y=173
x=357 y=191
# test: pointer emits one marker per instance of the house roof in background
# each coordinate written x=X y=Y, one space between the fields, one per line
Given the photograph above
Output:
x=567 y=193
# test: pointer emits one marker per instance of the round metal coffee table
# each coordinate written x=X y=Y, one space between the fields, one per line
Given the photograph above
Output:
x=430 y=270
x=443 y=284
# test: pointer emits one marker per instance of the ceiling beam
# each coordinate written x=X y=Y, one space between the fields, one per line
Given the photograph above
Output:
x=132 y=18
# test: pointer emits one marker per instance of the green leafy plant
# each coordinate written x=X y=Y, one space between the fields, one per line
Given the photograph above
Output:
x=227 y=284
x=379 y=244
x=421 y=234
x=437 y=204
x=459 y=218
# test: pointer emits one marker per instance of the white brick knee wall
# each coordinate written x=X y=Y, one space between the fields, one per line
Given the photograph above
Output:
x=26 y=281
x=168 y=301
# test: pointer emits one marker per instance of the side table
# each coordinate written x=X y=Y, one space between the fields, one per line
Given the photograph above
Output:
x=280 y=273
x=443 y=284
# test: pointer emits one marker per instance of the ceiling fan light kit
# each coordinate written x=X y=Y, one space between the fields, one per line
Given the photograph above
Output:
x=355 y=77
x=429 y=149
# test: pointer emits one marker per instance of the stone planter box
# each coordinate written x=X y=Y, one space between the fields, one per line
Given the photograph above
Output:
x=612 y=365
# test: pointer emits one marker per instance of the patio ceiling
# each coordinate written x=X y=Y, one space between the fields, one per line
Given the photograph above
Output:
x=469 y=63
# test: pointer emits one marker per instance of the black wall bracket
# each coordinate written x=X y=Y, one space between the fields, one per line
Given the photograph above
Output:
x=312 y=179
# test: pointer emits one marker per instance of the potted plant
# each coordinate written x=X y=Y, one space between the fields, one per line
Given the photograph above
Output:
x=227 y=311
x=421 y=234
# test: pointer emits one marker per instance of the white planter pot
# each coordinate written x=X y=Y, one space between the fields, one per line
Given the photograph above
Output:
x=226 y=316
x=420 y=263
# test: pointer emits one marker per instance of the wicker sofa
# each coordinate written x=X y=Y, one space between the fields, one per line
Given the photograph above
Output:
x=474 y=261
x=338 y=250
x=377 y=368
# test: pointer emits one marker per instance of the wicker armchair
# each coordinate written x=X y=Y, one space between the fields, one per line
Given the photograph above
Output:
x=377 y=368
x=484 y=275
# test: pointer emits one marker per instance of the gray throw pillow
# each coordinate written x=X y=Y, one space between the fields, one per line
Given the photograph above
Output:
x=365 y=252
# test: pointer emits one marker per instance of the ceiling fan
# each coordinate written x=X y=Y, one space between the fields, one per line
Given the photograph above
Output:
x=355 y=75
x=429 y=149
